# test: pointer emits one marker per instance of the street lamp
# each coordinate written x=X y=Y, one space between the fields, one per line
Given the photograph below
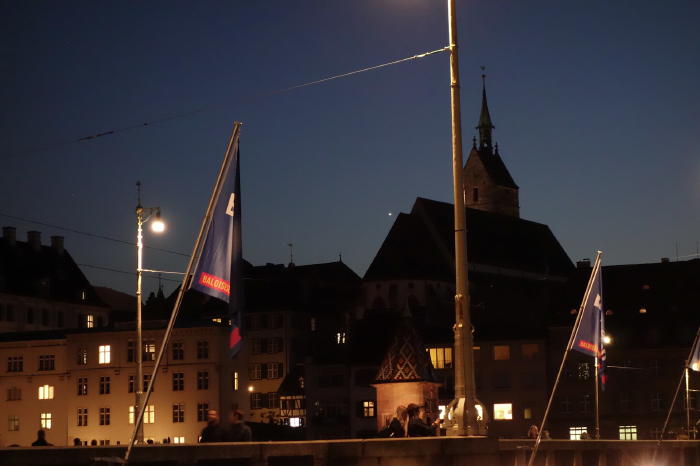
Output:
x=143 y=215
x=465 y=415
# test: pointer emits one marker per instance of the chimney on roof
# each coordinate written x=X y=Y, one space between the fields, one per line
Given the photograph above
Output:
x=57 y=244
x=665 y=260
x=583 y=264
x=9 y=234
x=34 y=240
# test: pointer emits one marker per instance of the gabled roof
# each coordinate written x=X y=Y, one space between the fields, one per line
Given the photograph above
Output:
x=43 y=272
x=420 y=245
x=493 y=163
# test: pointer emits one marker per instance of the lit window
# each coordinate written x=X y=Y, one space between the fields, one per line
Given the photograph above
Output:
x=217 y=320
x=479 y=412
x=180 y=439
x=131 y=415
x=501 y=352
x=294 y=422
x=442 y=409
x=149 y=416
x=340 y=338
x=527 y=413
x=503 y=411
x=441 y=357
x=45 y=420
x=46 y=392
x=530 y=350
x=576 y=432
x=149 y=351
x=628 y=432
x=368 y=409
x=89 y=321
x=235 y=380
x=105 y=354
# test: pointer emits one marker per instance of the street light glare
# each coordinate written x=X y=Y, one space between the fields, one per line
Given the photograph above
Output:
x=158 y=226
x=607 y=340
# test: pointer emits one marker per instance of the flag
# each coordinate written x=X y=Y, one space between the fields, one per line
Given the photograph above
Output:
x=694 y=362
x=591 y=330
x=218 y=270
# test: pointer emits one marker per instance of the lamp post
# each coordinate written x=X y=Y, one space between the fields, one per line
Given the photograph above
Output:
x=143 y=214
x=462 y=416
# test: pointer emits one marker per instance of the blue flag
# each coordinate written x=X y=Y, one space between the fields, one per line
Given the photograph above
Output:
x=694 y=362
x=589 y=336
x=218 y=270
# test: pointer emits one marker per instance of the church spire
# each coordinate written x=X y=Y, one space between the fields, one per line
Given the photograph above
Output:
x=485 y=125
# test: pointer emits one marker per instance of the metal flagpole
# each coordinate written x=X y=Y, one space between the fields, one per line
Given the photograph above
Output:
x=687 y=399
x=185 y=281
x=596 y=265
x=597 y=408
x=684 y=375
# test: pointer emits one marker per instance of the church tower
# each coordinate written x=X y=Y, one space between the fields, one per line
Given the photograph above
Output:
x=487 y=182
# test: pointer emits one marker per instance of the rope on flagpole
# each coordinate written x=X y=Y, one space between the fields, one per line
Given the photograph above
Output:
x=209 y=107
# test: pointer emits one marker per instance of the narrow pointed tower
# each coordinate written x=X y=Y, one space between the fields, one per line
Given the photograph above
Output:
x=487 y=182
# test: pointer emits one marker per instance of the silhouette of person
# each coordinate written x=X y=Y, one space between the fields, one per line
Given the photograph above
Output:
x=533 y=432
x=77 y=442
x=41 y=439
x=237 y=430
x=213 y=432
x=417 y=427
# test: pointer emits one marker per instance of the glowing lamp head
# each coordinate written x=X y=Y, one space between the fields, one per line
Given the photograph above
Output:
x=607 y=339
x=158 y=226
x=250 y=388
x=695 y=366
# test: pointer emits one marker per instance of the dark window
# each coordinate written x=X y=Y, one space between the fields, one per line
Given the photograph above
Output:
x=15 y=364
x=47 y=362
x=82 y=417
x=262 y=321
x=104 y=416
x=202 y=409
x=10 y=314
x=82 y=356
x=178 y=381
x=14 y=394
x=30 y=315
x=130 y=355
x=178 y=412
x=273 y=400
x=59 y=319
x=45 y=317
x=202 y=380
x=178 y=351
x=202 y=350
x=277 y=320
x=256 y=371
x=131 y=383
x=146 y=379
x=82 y=386
x=104 y=385
x=256 y=401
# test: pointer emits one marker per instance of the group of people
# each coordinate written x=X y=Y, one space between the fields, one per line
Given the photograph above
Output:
x=235 y=431
x=533 y=432
x=409 y=422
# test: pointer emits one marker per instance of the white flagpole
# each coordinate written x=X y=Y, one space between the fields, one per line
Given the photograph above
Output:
x=596 y=266
x=185 y=282
x=597 y=410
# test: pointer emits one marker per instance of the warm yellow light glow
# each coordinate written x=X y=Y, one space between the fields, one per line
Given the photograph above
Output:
x=158 y=226
x=643 y=310
x=607 y=339
x=250 y=388
x=695 y=366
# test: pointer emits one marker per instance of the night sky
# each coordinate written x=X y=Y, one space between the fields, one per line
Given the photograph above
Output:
x=596 y=108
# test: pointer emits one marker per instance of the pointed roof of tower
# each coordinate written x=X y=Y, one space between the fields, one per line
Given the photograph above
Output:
x=485 y=117
x=406 y=360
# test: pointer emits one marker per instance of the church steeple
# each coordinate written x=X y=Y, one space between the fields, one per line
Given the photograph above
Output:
x=485 y=126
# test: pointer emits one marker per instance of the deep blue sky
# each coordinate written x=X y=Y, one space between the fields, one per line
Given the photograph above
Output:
x=596 y=107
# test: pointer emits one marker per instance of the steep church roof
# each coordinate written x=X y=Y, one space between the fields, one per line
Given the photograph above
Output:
x=421 y=245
